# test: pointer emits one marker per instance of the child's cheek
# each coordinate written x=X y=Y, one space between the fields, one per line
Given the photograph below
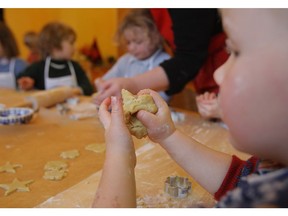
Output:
x=234 y=105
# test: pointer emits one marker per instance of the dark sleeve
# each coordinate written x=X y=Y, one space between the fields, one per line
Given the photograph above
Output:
x=238 y=169
x=36 y=72
x=193 y=29
x=82 y=79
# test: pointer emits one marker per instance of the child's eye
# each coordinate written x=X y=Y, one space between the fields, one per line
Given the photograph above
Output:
x=231 y=51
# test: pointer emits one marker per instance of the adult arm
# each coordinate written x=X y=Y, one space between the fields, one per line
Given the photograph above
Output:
x=193 y=29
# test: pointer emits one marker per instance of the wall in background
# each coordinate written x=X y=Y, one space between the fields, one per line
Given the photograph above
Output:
x=88 y=23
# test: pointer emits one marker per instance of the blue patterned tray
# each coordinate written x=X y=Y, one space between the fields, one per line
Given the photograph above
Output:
x=15 y=116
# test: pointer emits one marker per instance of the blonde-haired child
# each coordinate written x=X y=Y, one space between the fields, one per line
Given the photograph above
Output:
x=144 y=44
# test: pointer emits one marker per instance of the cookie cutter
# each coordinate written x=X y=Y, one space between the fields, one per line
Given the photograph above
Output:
x=62 y=108
x=177 y=187
x=15 y=116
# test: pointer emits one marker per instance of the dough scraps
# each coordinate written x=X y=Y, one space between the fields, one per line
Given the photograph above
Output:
x=96 y=147
x=55 y=170
x=16 y=185
x=55 y=165
x=71 y=154
x=55 y=174
x=131 y=105
x=10 y=168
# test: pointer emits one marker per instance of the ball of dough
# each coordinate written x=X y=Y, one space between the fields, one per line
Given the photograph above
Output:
x=131 y=105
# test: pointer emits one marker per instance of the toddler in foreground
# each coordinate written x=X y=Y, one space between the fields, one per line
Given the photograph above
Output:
x=253 y=101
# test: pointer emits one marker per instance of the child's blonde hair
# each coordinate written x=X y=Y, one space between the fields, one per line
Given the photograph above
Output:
x=52 y=35
x=8 y=42
x=143 y=19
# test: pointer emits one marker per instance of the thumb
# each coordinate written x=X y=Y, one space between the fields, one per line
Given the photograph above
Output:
x=148 y=119
x=117 y=110
x=98 y=84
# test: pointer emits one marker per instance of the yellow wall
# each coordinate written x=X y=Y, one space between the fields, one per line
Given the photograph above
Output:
x=88 y=23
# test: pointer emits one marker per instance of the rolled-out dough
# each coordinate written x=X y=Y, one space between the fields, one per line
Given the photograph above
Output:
x=131 y=105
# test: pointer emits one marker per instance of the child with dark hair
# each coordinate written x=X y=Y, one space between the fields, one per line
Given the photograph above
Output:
x=31 y=41
x=57 y=69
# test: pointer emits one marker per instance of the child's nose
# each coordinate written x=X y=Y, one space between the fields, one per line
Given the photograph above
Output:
x=220 y=73
x=131 y=47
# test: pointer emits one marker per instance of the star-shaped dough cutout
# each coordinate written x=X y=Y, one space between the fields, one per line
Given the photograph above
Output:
x=10 y=168
x=16 y=185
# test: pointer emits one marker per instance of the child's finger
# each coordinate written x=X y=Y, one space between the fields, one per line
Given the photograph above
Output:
x=206 y=95
x=212 y=96
x=104 y=113
x=117 y=110
x=98 y=83
x=148 y=119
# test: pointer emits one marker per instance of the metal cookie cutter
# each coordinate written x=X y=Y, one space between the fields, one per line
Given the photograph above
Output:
x=178 y=187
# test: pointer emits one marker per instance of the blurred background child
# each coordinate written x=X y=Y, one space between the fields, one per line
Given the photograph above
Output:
x=144 y=46
x=57 y=68
x=10 y=65
x=32 y=43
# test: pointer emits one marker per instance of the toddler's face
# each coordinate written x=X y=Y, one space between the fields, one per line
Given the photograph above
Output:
x=138 y=43
x=254 y=80
x=67 y=49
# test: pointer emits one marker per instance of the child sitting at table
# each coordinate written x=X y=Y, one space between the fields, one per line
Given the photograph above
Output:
x=253 y=101
x=57 y=69
x=32 y=43
x=10 y=64
x=143 y=42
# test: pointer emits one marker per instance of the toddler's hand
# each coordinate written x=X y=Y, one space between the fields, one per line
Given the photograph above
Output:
x=208 y=106
x=112 y=87
x=25 y=83
x=160 y=125
x=118 y=138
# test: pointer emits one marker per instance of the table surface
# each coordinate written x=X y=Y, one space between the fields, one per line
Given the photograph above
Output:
x=49 y=133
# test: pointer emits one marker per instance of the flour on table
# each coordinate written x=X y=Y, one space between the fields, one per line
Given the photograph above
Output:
x=96 y=147
x=71 y=154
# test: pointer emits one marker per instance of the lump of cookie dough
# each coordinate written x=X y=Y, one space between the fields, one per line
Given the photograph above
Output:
x=131 y=105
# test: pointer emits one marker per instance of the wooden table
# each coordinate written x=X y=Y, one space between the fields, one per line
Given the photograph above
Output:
x=50 y=133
